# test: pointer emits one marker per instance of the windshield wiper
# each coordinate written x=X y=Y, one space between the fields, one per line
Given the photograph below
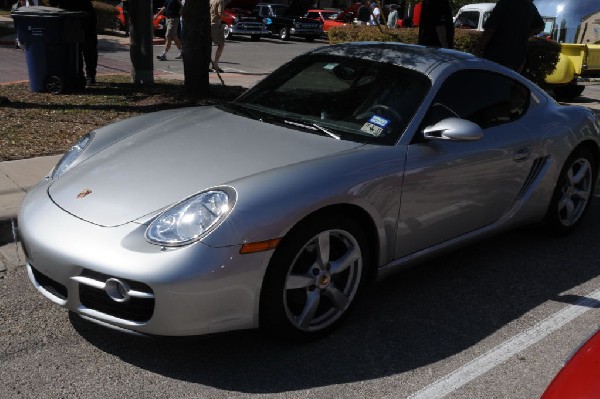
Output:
x=313 y=126
x=243 y=109
x=329 y=132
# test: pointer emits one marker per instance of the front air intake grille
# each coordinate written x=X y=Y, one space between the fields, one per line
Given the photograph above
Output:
x=53 y=287
x=137 y=309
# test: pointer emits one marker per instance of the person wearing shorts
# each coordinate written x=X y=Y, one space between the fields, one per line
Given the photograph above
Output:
x=171 y=11
x=216 y=31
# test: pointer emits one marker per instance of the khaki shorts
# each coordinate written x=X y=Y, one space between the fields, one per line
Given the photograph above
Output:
x=216 y=33
x=171 y=29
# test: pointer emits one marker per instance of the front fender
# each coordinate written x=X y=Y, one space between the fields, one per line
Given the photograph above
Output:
x=270 y=204
x=564 y=72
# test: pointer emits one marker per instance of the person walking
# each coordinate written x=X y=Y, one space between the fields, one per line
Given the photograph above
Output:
x=216 y=31
x=507 y=31
x=89 y=47
x=392 y=19
x=437 y=27
x=171 y=11
x=375 y=18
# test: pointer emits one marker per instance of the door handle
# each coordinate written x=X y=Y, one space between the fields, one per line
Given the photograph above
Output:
x=522 y=154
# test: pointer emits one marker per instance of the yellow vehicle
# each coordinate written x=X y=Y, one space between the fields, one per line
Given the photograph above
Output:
x=575 y=24
x=575 y=61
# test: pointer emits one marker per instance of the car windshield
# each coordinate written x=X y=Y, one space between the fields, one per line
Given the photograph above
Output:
x=330 y=15
x=346 y=98
x=278 y=10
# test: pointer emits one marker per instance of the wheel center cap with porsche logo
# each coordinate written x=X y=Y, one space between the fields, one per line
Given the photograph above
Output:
x=84 y=193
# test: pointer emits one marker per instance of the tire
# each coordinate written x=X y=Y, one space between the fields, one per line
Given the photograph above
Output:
x=284 y=33
x=568 y=92
x=54 y=84
x=573 y=192
x=306 y=291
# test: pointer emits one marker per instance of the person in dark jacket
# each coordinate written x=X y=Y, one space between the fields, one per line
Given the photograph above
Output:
x=507 y=31
x=437 y=27
x=89 y=47
x=364 y=13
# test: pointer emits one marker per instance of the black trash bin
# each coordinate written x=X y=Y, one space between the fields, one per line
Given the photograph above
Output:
x=51 y=38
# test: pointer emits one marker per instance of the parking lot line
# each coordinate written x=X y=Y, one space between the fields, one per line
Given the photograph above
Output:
x=484 y=363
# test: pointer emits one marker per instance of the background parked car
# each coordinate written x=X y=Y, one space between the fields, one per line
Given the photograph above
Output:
x=473 y=16
x=238 y=19
x=286 y=21
x=343 y=18
x=122 y=20
x=327 y=17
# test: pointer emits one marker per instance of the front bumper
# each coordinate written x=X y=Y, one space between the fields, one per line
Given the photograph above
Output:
x=245 y=28
x=306 y=32
x=190 y=290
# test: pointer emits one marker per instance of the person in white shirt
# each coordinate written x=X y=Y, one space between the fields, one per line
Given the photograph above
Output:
x=375 y=14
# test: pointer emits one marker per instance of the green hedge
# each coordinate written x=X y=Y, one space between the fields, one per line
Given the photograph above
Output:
x=542 y=54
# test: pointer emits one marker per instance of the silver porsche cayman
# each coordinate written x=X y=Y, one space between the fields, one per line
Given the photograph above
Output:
x=274 y=210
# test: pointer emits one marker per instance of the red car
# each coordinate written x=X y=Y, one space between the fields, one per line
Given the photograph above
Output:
x=327 y=17
x=343 y=18
x=122 y=20
x=580 y=376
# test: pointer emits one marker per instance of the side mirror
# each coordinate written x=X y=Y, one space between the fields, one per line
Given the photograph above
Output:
x=453 y=129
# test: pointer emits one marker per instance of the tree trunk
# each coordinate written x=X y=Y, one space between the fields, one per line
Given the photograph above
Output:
x=140 y=39
x=197 y=47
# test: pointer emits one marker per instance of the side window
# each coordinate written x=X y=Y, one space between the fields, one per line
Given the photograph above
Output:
x=312 y=15
x=467 y=20
x=485 y=98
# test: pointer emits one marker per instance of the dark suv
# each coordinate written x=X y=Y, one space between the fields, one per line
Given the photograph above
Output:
x=286 y=21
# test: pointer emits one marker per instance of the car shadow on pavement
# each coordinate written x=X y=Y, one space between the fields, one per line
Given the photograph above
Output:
x=413 y=319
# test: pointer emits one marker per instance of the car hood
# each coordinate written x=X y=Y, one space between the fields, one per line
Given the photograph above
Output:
x=352 y=9
x=177 y=157
x=298 y=8
x=242 y=4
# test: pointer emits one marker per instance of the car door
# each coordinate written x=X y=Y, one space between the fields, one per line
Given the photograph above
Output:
x=453 y=187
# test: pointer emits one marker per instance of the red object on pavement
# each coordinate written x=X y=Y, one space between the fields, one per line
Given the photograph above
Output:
x=580 y=376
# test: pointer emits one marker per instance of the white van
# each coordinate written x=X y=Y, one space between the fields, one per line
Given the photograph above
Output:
x=473 y=16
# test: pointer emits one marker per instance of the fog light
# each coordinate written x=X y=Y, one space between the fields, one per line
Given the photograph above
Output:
x=117 y=290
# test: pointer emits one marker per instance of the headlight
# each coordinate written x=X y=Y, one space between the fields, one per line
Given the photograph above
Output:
x=191 y=219
x=71 y=156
